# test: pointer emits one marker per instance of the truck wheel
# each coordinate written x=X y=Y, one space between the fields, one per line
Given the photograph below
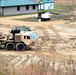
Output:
x=39 y=20
x=20 y=46
x=10 y=46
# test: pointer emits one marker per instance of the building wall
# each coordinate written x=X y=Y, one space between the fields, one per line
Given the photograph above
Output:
x=46 y=6
x=0 y=11
x=49 y=6
x=13 y=10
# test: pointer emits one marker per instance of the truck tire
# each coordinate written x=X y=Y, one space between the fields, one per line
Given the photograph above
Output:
x=10 y=46
x=20 y=46
x=39 y=19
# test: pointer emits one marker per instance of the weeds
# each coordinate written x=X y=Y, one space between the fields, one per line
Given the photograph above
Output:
x=51 y=67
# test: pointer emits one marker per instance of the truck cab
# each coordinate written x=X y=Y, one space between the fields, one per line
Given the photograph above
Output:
x=27 y=38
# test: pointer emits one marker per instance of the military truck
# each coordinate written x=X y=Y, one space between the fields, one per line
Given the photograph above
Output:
x=17 y=39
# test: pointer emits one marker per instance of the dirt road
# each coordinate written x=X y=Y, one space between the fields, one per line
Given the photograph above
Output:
x=12 y=21
x=53 y=31
x=56 y=43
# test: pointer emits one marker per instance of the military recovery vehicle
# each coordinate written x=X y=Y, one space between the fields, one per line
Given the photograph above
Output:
x=19 y=38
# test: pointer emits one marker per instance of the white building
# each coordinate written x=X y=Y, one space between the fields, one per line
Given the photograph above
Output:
x=46 y=4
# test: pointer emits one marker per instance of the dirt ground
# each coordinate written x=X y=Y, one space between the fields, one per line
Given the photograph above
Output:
x=52 y=35
x=56 y=39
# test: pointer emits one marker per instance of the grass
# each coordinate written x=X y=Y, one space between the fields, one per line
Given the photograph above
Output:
x=54 y=18
x=2 y=73
x=61 y=9
x=31 y=19
x=43 y=67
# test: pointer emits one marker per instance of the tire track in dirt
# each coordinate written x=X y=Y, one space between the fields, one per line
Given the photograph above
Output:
x=46 y=39
x=42 y=41
x=58 y=37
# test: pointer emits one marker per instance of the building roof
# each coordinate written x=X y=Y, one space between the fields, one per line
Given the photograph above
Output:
x=6 y=3
x=46 y=1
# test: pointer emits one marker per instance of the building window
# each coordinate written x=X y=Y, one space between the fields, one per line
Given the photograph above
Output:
x=27 y=7
x=33 y=7
x=18 y=8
